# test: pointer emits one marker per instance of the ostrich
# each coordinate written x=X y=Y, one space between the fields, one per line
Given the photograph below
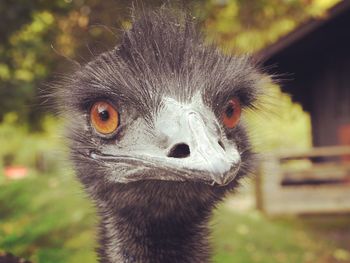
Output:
x=157 y=139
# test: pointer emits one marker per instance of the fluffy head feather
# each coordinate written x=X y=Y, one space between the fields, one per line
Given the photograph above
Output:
x=162 y=56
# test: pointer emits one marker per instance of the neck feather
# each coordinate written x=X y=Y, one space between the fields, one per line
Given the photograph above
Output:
x=155 y=222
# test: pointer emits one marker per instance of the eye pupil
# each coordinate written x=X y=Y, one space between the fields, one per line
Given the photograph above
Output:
x=104 y=115
x=229 y=111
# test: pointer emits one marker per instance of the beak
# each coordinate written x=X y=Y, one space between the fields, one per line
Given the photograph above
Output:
x=205 y=152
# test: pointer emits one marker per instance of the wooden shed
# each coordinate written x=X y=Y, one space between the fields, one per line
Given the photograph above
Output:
x=315 y=60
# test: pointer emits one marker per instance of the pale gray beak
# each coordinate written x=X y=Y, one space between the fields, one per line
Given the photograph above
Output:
x=198 y=145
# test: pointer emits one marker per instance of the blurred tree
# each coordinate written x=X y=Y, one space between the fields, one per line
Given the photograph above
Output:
x=37 y=37
x=250 y=25
x=26 y=30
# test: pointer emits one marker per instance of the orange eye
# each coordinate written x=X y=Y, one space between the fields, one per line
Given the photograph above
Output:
x=231 y=113
x=104 y=117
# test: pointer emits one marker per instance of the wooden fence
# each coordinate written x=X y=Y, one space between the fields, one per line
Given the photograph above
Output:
x=314 y=181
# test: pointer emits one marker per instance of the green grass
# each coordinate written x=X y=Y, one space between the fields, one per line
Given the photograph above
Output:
x=47 y=218
x=252 y=237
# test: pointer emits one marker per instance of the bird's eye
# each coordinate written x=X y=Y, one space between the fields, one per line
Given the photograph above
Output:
x=231 y=113
x=104 y=117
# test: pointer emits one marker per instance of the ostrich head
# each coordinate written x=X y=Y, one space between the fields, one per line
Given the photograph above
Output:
x=156 y=129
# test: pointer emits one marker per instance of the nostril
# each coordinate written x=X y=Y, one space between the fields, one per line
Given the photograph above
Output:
x=221 y=144
x=180 y=150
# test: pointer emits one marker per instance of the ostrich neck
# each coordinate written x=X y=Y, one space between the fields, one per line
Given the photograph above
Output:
x=155 y=224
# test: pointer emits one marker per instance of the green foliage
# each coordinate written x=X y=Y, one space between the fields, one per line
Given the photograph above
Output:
x=278 y=123
x=45 y=218
x=26 y=60
x=248 y=26
x=21 y=147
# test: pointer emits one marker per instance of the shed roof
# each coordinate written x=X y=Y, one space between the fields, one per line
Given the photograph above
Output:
x=310 y=38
